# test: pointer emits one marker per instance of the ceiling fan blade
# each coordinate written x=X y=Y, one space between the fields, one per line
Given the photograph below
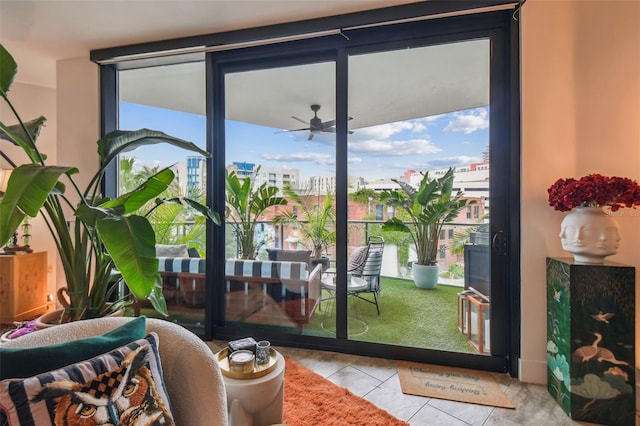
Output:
x=293 y=130
x=331 y=123
x=310 y=136
x=300 y=120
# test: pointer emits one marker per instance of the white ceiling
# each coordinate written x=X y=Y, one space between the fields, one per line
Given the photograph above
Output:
x=383 y=88
x=40 y=32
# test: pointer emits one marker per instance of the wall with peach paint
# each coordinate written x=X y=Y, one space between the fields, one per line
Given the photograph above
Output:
x=580 y=115
x=78 y=119
x=31 y=102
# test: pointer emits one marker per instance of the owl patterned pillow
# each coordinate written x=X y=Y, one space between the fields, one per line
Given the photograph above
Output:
x=122 y=387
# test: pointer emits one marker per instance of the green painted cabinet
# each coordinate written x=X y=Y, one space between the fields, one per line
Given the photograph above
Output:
x=591 y=340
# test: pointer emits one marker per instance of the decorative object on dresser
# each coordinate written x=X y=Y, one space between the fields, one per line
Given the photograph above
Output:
x=13 y=247
x=23 y=286
x=591 y=340
x=590 y=233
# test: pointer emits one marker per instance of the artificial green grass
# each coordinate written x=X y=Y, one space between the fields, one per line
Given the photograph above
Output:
x=409 y=316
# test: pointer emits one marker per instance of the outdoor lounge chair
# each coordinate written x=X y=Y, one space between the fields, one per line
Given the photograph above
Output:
x=369 y=270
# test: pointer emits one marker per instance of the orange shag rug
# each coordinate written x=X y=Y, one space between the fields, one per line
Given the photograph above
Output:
x=310 y=399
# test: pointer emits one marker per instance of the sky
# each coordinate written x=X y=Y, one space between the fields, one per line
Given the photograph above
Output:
x=383 y=151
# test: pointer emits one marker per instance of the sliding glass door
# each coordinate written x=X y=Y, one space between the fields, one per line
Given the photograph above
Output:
x=424 y=111
x=311 y=142
x=350 y=140
x=170 y=99
x=280 y=189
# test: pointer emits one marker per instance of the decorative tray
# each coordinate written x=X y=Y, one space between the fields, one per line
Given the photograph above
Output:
x=258 y=370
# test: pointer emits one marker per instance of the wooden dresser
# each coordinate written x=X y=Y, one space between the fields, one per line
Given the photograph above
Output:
x=23 y=286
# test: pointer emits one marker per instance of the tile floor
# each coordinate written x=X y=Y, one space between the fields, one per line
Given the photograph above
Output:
x=376 y=380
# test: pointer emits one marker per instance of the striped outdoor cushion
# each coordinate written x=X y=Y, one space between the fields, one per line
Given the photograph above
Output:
x=182 y=264
x=267 y=269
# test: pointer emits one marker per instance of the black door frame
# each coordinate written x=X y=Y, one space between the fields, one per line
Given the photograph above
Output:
x=506 y=233
x=339 y=48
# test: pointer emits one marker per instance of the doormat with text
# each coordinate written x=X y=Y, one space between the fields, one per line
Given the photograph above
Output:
x=455 y=384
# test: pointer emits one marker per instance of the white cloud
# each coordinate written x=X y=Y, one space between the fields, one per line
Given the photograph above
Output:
x=301 y=157
x=393 y=148
x=297 y=157
x=385 y=131
x=456 y=161
x=468 y=123
x=140 y=164
x=441 y=163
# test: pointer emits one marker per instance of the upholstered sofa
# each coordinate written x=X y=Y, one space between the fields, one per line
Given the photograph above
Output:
x=289 y=286
x=191 y=374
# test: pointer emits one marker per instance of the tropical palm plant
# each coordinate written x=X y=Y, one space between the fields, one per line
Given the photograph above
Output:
x=315 y=220
x=244 y=204
x=429 y=207
x=172 y=223
x=462 y=238
x=104 y=235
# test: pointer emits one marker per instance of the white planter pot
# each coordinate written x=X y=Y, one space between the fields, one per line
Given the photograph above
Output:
x=425 y=276
x=589 y=234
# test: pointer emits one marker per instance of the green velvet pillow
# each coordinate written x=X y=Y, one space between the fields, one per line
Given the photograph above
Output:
x=27 y=362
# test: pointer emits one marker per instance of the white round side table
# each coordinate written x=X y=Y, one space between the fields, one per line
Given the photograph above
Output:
x=259 y=401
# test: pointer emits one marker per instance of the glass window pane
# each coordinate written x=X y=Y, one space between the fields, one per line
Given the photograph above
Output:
x=178 y=109
x=424 y=110
x=280 y=226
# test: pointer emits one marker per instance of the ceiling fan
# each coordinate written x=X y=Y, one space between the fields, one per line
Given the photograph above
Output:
x=316 y=125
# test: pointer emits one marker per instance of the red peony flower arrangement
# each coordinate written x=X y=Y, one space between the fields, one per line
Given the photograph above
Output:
x=594 y=190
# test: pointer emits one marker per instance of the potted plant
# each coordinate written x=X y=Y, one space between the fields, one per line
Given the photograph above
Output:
x=244 y=204
x=429 y=207
x=101 y=235
x=316 y=221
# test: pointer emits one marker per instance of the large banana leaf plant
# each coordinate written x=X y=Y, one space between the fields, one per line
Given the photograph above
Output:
x=429 y=206
x=105 y=239
x=245 y=202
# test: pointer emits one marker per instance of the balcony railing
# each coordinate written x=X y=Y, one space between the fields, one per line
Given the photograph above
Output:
x=399 y=252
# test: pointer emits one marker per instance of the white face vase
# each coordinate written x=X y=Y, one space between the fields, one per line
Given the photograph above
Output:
x=590 y=235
